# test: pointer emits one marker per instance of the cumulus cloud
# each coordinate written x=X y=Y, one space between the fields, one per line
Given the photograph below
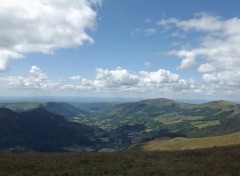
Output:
x=118 y=80
x=43 y=26
x=188 y=58
x=77 y=77
x=160 y=76
x=121 y=80
x=36 y=80
x=203 y=68
x=216 y=54
x=115 y=78
x=5 y=56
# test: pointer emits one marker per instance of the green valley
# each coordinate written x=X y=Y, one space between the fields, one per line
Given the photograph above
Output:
x=120 y=125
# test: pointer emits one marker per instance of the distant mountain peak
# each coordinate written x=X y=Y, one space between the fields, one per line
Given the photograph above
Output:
x=220 y=103
x=158 y=99
x=163 y=101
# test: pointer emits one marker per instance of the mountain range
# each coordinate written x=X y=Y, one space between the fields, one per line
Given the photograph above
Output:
x=61 y=126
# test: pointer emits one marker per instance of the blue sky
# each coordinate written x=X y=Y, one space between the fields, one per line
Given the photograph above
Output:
x=126 y=48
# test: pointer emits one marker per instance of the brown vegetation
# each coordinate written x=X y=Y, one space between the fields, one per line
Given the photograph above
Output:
x=205 y=162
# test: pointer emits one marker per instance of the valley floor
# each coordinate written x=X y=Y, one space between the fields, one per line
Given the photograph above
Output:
x=205 y=162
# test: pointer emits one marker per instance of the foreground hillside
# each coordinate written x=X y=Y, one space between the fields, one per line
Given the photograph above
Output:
x=180 y=143
x=207 y=162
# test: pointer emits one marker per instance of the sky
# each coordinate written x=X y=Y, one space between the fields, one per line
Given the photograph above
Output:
x=185 y=49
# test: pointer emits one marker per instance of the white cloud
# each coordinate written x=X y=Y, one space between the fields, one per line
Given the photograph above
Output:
x=5 y=56
x=43 y=26
x=160 y=76
x=36 y=80
x=188 y=58
x=77 y=77
x=216 y=54
x=121 y=80
x=106 y=81
x=203 y=22
x=206 y=68
x=114 y=78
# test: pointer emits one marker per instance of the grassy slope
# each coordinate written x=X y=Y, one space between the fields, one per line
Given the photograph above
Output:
x=173 y=144
x=154 y=112
x=207 y=162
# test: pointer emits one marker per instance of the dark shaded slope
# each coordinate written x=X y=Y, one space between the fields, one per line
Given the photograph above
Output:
x=43 y=131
